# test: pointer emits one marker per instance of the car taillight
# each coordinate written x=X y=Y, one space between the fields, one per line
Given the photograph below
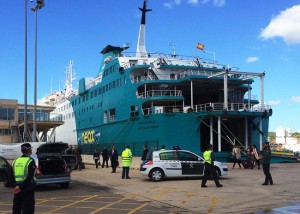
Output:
x=67 y=170
x=38 y=172
x=149 y=163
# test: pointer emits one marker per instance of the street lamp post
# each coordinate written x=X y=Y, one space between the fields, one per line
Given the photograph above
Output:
x=39 y=5
x=25 y=78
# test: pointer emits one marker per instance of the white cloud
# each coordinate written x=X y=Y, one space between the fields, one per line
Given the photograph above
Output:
x=177 y=2
x=168 y=5
x=219 y=3
x=252 y=59
x=295 y=99
x=193 y=2
x=274 y=102
x=285 y=25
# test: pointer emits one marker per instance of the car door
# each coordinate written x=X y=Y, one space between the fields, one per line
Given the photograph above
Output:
x=191 y=164
x=4 y=167
x=170 y=163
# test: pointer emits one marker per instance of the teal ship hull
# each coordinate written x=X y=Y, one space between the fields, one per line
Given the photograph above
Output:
x=160 y=99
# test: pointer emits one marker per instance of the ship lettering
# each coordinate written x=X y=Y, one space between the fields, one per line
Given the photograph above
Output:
x=88 y=137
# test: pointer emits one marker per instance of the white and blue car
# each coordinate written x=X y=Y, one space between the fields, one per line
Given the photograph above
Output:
x=176 y=163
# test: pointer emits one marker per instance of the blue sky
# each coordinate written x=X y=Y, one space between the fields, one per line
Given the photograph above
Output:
x=253 y=35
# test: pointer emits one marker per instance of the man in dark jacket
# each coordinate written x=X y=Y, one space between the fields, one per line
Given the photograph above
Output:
x=105 y=157
x=113 y=154
x=145 y=152
x=266 y=160
x=22 y=179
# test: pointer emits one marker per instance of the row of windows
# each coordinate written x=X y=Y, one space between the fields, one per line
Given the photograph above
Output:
x=110 y=70
x=7 y=113
x=4 y=132
x=62 y=108
x=68 y=116
x=99 y=91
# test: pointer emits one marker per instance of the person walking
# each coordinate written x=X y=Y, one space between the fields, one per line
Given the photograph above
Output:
x=266 y=161
x=126 y=162
x=145 y=152
x=236 y=154
x=113 y=154
x=257 y=156
x=105 y=157
x=96 y=157
x=209 y=170
x=78 y=152
x=22 y=179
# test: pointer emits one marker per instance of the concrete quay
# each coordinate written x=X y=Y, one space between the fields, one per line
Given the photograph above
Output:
x=242 y=191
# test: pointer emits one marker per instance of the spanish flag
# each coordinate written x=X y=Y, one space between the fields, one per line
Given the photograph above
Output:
x=200 y=46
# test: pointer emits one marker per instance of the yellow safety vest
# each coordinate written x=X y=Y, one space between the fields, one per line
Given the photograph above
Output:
x=126 y=157
x=207 y=156
x=20 y=168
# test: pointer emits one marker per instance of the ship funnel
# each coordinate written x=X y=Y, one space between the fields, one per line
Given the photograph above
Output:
x=141 y=47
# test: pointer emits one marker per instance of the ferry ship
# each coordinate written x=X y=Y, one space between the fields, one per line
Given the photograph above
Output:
x=167 y=99
x=63 y=109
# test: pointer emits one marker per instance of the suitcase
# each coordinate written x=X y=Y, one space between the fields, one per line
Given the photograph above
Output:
x=245 y=164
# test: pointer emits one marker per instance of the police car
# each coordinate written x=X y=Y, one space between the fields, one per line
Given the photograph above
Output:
x=176 y=163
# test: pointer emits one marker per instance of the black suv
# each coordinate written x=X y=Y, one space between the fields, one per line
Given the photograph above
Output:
x=4 y=168
x=52 y=166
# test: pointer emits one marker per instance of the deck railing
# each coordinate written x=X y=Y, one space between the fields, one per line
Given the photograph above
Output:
x=159 y=93
x=206 y=108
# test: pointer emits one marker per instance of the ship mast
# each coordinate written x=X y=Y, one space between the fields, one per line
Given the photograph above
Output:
x=70 y=77
x=141 y=47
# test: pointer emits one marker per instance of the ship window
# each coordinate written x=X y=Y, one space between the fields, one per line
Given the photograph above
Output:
x=96 y=91
x=110 y=86
x=83 y=98
x=106 y=88
x=112 y=115
x=119 y=82
x=114 y=84
x=105 y=117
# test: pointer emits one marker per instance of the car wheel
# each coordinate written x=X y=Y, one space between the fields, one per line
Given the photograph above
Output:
x=65 y=185
x=156 y=174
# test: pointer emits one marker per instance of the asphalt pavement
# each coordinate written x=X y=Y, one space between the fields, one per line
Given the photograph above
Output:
x=100 y=191
x=242 y=191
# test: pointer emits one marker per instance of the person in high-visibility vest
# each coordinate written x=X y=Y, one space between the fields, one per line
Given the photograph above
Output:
x=209 y=170
x=23 y=181
x=126 y=162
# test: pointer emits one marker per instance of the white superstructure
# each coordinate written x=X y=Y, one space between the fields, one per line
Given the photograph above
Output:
x=60 y=100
